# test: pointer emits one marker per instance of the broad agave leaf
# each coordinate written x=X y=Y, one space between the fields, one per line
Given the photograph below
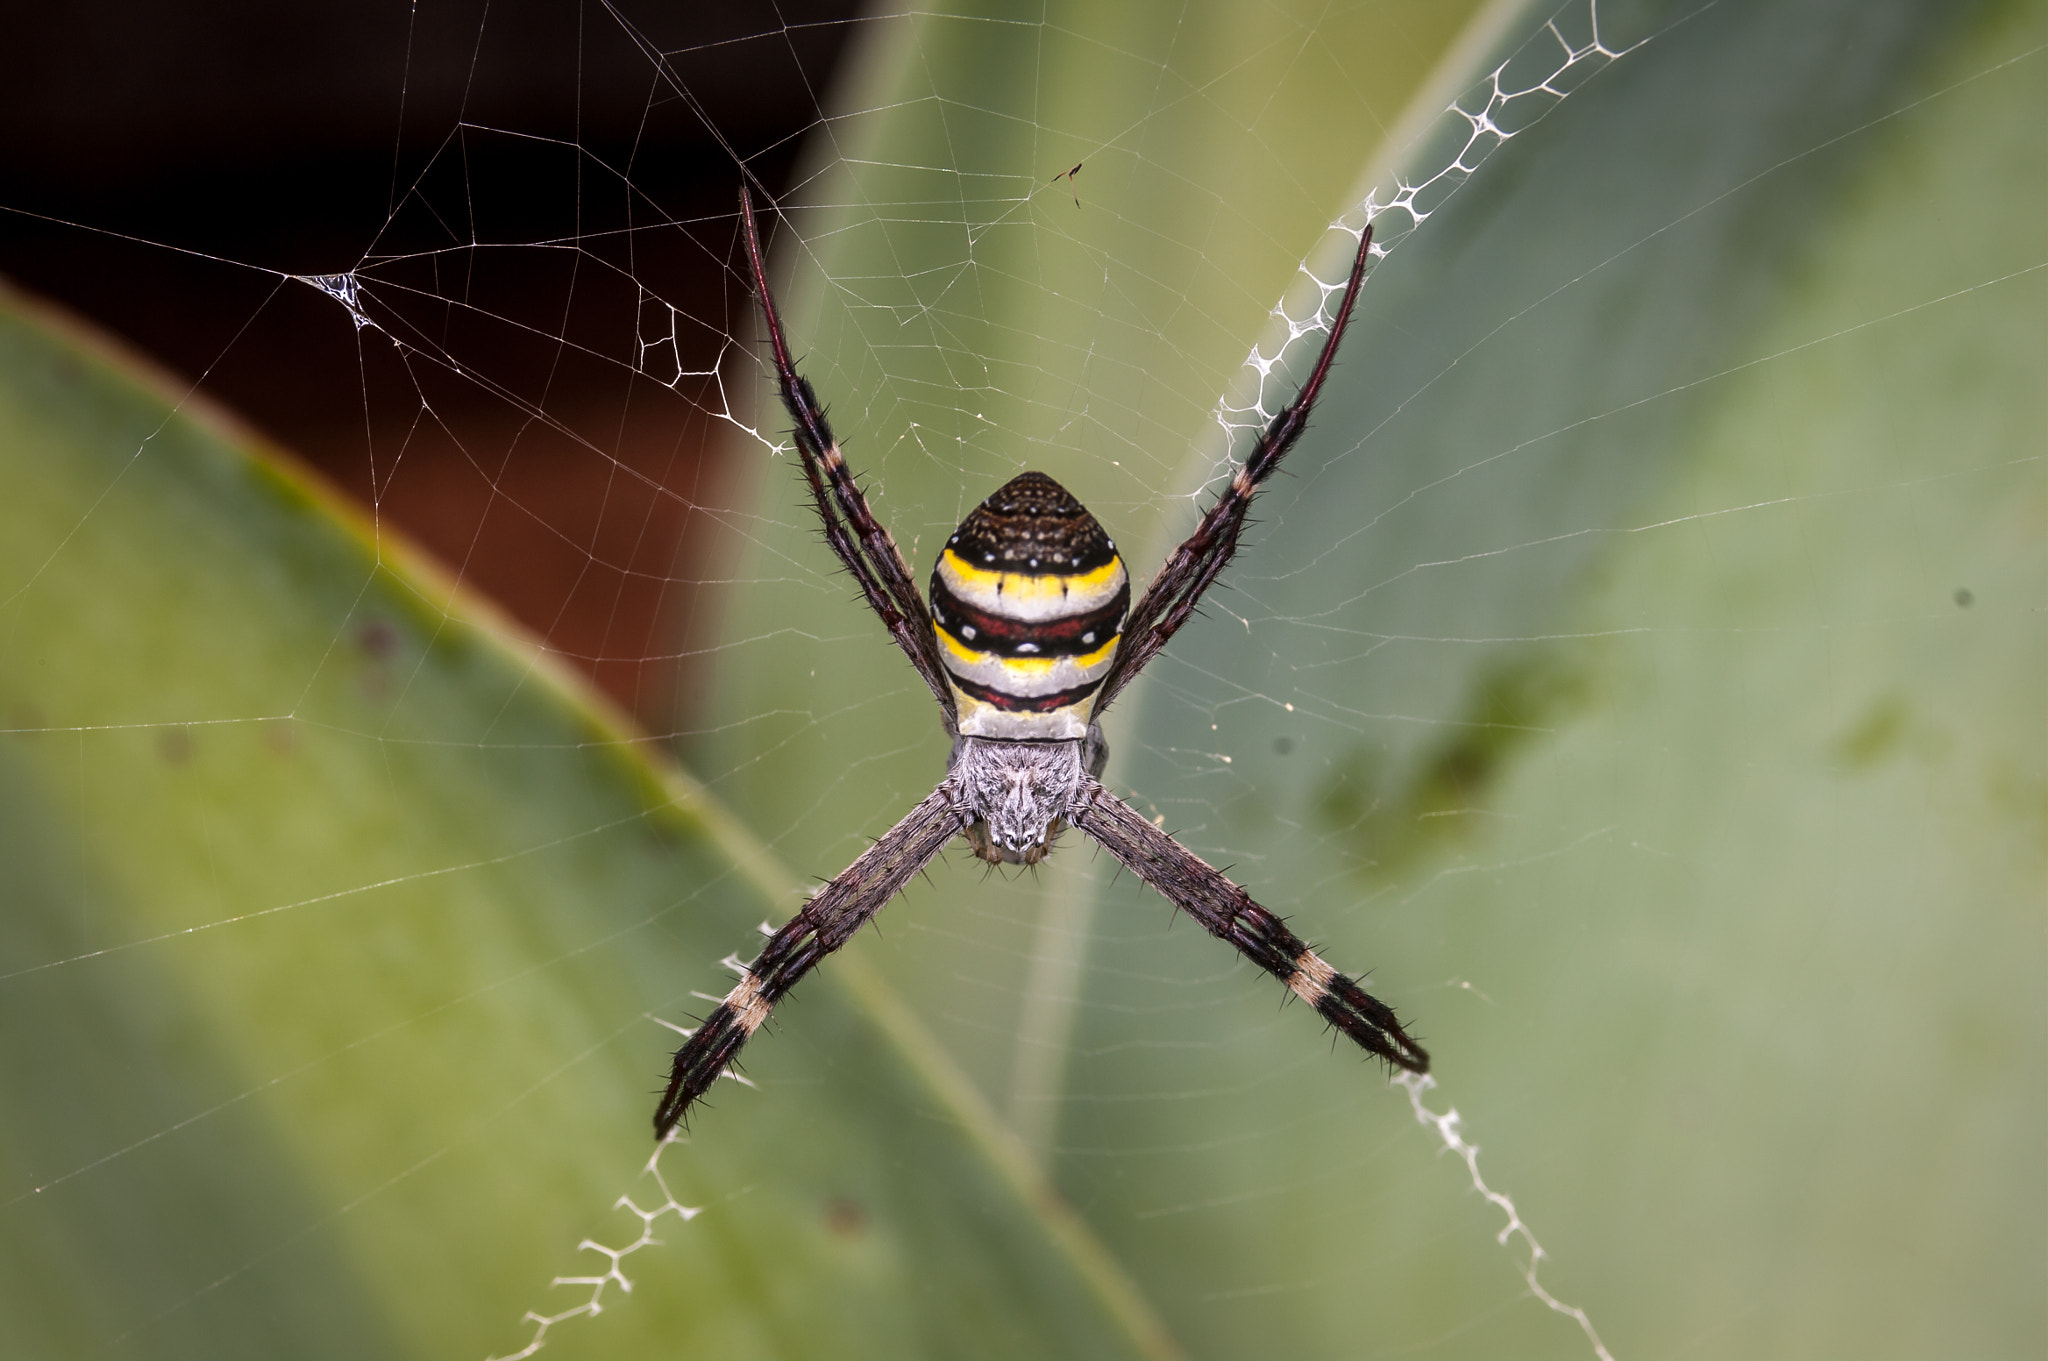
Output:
x=1600 y=676
x=334 y=919
x=1639 y=669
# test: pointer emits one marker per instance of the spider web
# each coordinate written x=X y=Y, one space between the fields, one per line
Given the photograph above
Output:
x=1557 y=580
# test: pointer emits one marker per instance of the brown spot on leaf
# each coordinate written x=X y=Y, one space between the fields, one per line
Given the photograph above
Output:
x=175 y=746
x=280 y=735
x=378 y=639
x=845 y=1217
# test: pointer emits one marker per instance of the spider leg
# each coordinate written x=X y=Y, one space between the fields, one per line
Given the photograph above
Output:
x=1228 y=913
x=831 y=917
x=1195 y=565
x=851 y=528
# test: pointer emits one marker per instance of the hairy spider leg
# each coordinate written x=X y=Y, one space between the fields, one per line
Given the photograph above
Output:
x=1195 y=565
x=859 y=539
x=827 y=921
x=1228 y=913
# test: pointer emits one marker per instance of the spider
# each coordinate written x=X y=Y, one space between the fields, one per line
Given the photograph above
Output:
x=1022 y=648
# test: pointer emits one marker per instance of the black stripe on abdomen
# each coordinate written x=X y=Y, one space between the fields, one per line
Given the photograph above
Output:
x=1025 y=704
x=1070 y=636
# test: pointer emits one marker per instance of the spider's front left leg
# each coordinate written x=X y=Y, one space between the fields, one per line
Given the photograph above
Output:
x=1228 y=913
x=851 y=528
x=826 y=922
x=1195 y=565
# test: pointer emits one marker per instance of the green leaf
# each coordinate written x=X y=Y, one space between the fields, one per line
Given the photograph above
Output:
x=1639 y=672
x=335 y=923
x=1600 y=677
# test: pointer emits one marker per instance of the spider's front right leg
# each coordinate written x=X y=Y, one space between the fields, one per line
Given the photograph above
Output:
x=826 y=922
x=1193 y=567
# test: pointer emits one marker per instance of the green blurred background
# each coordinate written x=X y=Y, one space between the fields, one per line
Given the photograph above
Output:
x=1639 y=670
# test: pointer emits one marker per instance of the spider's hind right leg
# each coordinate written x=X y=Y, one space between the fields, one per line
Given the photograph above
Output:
x=1228 y=913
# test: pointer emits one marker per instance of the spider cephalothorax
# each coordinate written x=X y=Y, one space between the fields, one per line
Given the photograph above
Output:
x=1015 y=795
x=1024 y=643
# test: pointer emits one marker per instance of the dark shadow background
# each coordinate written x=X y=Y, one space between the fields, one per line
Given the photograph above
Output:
x=524 y=197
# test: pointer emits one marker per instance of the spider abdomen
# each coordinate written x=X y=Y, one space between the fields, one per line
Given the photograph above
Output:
x=1028 y=599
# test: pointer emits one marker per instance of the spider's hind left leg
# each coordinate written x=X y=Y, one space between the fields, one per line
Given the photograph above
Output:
x=826 y=922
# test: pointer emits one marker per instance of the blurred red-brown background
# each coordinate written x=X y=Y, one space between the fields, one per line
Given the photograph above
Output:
x=538 y=199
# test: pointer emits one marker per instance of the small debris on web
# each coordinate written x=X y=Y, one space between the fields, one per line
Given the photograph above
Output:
x=344 y=289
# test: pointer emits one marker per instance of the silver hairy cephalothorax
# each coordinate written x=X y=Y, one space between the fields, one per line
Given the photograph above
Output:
x=1023 y=642
x=1016 y=797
